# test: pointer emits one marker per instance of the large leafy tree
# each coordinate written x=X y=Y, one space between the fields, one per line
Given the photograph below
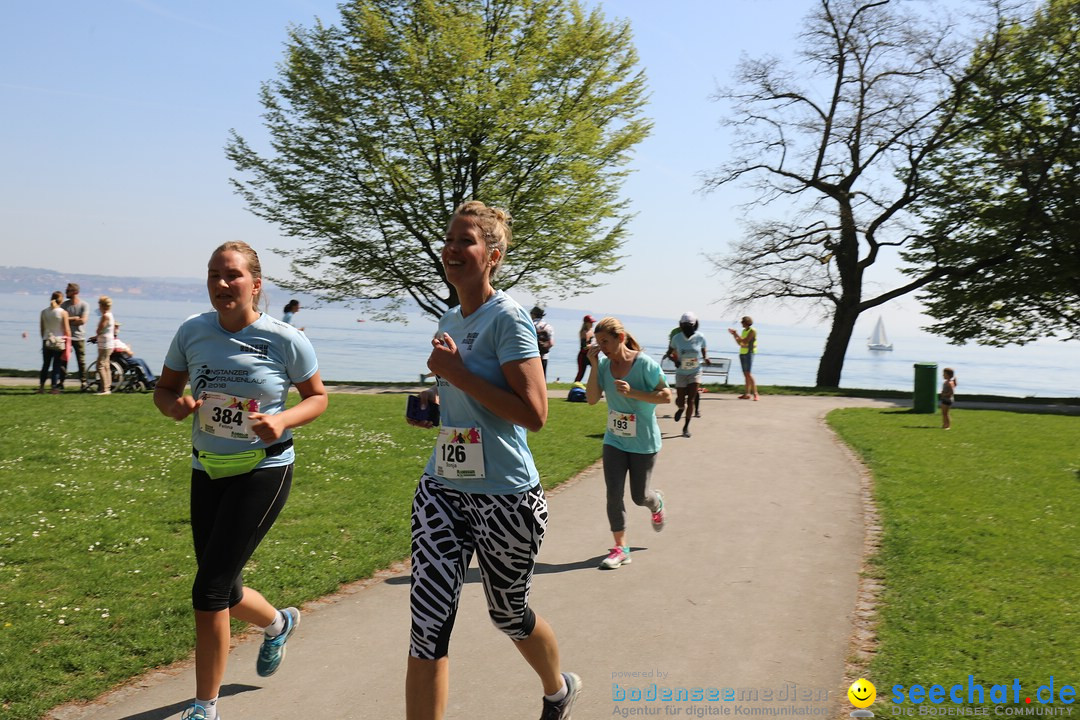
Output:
x=383 y=124
x=836 y=148
x=1003 y=201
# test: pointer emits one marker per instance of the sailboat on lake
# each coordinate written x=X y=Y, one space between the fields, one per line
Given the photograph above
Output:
x=879 y=340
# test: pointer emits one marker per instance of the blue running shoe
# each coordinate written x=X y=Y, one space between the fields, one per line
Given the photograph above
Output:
x=272 y=651
x=195 y=711
x=561 y=710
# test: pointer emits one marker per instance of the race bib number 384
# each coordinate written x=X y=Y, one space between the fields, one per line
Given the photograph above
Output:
x=226 y=416
x=459 y=454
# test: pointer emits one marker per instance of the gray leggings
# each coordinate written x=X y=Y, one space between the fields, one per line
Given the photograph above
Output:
x=617 y=463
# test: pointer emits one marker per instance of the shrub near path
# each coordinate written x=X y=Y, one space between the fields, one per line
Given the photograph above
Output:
x=95 y=546
x=980 y=546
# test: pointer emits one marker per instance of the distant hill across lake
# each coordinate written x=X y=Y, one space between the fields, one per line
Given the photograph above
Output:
x=41 y=282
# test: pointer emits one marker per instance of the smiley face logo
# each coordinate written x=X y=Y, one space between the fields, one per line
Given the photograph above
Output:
x=862 y=693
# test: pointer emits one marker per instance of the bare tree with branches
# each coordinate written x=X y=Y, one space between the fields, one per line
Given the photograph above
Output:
x=837 y=152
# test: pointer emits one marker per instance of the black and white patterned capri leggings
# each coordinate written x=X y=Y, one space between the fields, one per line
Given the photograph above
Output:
x=505 y=532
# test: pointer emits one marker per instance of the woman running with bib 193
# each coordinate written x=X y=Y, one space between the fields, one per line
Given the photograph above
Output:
x=634 y=385
x=480 y=492
x=241 y=363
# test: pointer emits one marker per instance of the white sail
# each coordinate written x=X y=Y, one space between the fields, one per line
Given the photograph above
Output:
x=879 y=340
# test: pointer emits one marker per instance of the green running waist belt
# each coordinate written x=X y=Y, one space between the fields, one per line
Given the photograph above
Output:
x=220 y=465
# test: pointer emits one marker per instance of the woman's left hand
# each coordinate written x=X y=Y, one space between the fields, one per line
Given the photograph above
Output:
x=269 y=428
x=445 y=360
x=622 y=387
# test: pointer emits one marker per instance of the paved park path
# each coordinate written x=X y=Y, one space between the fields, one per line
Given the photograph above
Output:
x=752 y=585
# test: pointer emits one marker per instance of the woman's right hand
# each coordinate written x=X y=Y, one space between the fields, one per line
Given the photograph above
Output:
x=182 y=407
x=169 y=397
x=428 y=396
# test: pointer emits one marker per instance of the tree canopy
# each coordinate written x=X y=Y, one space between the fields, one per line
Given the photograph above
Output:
x=1002 y=207
x=836 y=149
x=382 y=125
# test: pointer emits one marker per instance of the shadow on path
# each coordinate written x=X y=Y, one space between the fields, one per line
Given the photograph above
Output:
x=169 y=711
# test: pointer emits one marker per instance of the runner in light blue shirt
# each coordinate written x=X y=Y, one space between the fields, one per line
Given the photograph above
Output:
x=480 y=492
x=500 y=331
x=259 y=362
x=688 y=350
x=634 y=385
x=240 y=364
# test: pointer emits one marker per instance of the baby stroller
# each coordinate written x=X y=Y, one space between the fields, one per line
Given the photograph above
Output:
x=129 y=373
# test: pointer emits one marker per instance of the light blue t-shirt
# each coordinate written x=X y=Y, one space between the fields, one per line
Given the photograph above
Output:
x=259 y=362
x=688 y=347
x=645 y=374
x=500 y=331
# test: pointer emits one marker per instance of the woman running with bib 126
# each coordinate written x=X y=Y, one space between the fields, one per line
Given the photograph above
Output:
x=241 y=363
x=634 y=385
x=480 y=492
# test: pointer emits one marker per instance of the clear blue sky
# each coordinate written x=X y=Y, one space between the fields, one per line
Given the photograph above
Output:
x=116 y=112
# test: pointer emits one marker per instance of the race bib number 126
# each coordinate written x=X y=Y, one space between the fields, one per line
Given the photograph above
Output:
x=459 y=454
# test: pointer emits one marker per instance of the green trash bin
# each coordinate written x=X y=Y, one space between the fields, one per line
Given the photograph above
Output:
x=925 y=388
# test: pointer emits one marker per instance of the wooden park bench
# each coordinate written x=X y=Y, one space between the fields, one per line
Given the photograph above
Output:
x=718 y=367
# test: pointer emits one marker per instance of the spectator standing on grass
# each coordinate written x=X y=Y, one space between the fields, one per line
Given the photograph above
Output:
x=78 y=316
x=545 y=335
x=585 y=339
x=634 y=385
x=55 y=332
x=480 y=492
x=104 y=339
x=689 y=350
x=240 y=363
x=747 y=341
x=948 y=394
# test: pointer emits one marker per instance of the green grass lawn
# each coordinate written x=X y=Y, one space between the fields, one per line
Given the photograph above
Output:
x=980 y=546
x=95 y=547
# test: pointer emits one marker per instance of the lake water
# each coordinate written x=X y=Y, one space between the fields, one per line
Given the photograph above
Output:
x=788 y=355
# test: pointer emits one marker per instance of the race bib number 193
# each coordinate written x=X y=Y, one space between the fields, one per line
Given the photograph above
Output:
x=226 y=416
x=622 y=424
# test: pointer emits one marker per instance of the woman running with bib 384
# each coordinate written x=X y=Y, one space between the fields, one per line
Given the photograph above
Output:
x=480 y=492
x=241 y=363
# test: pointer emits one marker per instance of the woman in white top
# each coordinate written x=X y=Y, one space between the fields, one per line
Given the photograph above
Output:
x=54 y=331
x=105 y=330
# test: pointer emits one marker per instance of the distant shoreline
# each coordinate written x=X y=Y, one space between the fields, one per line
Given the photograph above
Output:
x=11 y=377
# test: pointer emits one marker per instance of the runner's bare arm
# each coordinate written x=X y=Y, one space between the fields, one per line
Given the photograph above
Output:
x=169 y=394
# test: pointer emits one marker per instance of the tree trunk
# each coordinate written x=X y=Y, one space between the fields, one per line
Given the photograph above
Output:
x=831 y=364
x=847 y=307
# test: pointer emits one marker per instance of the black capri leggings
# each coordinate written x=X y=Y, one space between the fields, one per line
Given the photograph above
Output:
x=229 y=518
